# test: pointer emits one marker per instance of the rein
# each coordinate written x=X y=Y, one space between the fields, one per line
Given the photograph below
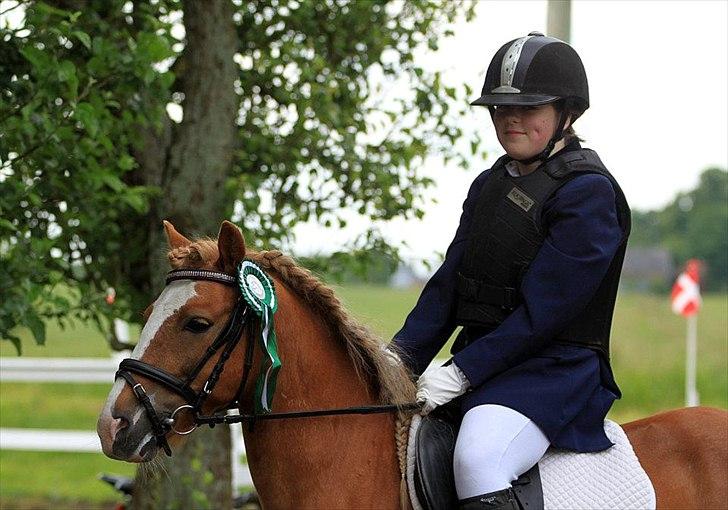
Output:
x=252 y=418
x=227 y=339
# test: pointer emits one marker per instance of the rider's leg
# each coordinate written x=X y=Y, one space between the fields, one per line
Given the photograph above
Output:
x=494 y=447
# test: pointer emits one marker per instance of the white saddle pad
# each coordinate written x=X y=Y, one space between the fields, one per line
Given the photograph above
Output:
x=611 y=479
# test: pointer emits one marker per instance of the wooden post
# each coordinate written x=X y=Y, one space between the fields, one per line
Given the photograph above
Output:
x=558 y=19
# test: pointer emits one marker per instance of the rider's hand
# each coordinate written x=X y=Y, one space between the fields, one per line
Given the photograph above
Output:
x=392 y=356
x=440 y=385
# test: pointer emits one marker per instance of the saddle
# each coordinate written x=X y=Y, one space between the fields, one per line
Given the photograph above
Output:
x=562 y=479
x=433 y=480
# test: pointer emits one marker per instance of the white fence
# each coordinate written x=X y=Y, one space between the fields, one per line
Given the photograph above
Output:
x=75 y=370
x=82 y=371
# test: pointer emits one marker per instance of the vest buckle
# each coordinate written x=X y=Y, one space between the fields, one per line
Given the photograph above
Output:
x=509 y=298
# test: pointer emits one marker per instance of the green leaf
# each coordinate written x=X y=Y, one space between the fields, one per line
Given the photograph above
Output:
x=38 y=58
x=37 y=327
x=83 y=37
x=7 y=225
x=166 y=79
x=126 y=162
x=67 y=74
x=112 y=181
x=136 y=202
x=153 y=48
x=43 y=7
x=86 y=114
x=15 y=340
x=66 y=70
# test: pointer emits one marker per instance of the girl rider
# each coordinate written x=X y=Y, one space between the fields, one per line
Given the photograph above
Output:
x=531 y=276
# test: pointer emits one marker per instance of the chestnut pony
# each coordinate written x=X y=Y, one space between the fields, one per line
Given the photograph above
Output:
x=330 y=361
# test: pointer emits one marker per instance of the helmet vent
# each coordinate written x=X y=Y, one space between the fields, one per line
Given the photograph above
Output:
x=510 y=62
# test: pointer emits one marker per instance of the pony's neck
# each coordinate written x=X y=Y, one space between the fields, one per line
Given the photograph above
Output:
x=324 y=462
x=319 y=371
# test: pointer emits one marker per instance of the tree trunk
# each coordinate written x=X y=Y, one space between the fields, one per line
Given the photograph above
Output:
x=196 y=477
x=189 y=162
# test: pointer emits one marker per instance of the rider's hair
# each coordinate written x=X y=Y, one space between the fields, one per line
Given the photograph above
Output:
x=571 y=110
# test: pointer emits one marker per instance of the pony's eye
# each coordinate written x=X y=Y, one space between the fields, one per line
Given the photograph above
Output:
x=197 y=325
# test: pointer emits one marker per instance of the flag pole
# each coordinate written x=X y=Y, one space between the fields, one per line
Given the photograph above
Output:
x=692 y=398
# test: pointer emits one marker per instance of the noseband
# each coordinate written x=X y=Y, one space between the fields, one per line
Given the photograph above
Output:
x=226 y=340
x=163 y=423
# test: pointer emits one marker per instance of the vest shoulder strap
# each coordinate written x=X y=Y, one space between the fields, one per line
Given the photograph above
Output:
x=577 y=161
x=570 y=164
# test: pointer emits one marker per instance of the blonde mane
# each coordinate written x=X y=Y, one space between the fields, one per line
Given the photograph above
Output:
x=390 y=380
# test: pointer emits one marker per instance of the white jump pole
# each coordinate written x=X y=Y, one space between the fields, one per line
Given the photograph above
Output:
x=692 y=398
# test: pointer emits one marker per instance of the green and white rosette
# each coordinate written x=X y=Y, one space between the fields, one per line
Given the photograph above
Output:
x=259 y=293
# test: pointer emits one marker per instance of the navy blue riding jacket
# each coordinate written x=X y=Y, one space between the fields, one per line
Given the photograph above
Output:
x=566 y=390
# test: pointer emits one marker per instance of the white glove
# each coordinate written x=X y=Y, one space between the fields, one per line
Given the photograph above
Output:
x=439 y=386
x=392 y=357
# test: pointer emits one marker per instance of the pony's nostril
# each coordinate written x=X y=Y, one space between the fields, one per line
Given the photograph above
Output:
x=118 y=424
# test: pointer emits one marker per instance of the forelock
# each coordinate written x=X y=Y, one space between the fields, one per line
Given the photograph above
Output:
x=201 y=253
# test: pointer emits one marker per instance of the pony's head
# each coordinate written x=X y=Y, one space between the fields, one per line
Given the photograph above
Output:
x=189 y=317
x=198 y=322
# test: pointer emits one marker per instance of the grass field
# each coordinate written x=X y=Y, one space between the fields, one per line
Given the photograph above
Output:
x=648 y=359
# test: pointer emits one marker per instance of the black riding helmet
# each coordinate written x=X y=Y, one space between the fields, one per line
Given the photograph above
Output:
x=536 y=70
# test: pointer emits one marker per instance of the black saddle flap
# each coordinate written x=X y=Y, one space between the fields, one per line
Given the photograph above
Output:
x=435 y=445
x=433 y=477
x=528 y=489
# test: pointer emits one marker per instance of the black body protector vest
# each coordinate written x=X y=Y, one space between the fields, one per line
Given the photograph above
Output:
x=506 y=233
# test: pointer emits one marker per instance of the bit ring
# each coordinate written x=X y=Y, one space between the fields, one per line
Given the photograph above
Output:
x=174 y=414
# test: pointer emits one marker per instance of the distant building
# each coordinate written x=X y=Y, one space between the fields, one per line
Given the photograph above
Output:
x=647 y=268
x=405 y=277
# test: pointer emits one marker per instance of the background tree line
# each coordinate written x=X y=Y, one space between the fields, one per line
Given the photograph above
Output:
x=693 y=225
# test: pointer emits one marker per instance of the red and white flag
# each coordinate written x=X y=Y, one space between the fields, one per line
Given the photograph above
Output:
x=686 y=291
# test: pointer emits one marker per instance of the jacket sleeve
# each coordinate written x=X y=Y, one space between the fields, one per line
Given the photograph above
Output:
x=583 y=235
x=431 y=322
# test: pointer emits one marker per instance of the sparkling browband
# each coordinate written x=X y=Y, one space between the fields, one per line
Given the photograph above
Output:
x=201 y=274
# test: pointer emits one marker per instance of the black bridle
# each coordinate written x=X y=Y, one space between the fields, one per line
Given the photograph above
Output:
x=227 y=339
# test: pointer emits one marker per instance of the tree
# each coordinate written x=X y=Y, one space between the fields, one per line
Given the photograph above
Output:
x=290 y=110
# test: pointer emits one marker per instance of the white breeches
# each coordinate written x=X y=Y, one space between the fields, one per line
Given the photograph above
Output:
x=494 y=447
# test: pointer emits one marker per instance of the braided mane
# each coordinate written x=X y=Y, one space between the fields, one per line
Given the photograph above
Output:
x=390 y=381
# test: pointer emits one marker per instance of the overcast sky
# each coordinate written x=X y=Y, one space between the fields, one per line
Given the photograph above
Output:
x=658 y=79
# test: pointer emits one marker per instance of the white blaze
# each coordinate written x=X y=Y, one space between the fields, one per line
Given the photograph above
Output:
x=172 y=298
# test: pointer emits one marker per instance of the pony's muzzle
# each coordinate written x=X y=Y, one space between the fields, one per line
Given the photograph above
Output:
x=126 y=435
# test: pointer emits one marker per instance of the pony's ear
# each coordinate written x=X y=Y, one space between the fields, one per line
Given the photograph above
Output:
x=175 y=239
x=231 y=245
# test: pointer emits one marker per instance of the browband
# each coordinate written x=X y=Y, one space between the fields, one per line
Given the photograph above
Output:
x=201 y=274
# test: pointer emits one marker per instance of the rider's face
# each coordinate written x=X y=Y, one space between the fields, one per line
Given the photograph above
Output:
x=524 y=131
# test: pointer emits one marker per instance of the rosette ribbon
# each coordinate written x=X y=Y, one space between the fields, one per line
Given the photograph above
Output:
x=259 y=293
